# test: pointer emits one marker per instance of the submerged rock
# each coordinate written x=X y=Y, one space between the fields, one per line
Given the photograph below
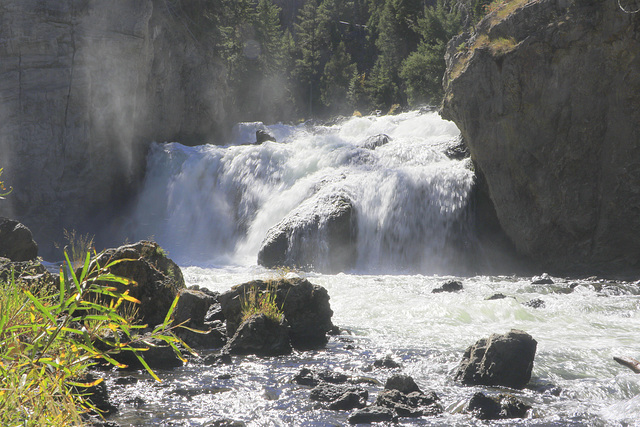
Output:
x=16 y=241
x=340 y=397
x=320 y=233
x=312 y=378
x=450 y=286
x=404 y=397
x=372 y=414
x=501 y=407
x=263 y=136
x=305 y=306
x=375 y=141
x=500 y=360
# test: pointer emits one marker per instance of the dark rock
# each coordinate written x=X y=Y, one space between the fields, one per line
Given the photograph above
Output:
x=544 y=280
x=214 y=312
x=386 y=362
x=554 y=127
x=375 y=141
x=192 y=308
x=320 y=233
x=261 y=336
x=312 y=378
x=158 y=279
x=225 y=423
x=500 y=360
x=32 y=274
x=218 y=359
x=159 y=355
x=450 y=286
x=349 y=400
x=502 y=407
x=414 y=404
x=403 y=383
x=209 y=335
x=16 y=241
x=263 y=136
x=535 y=303
x=496 y=296
x=371 y=414
x=306 y=308
x=325 y=392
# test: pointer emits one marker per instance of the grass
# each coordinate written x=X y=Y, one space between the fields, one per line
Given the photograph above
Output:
x=48 y=342
x=3 y=189
x=264 y=302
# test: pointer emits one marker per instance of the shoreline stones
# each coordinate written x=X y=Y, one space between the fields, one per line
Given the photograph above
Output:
x=500 y=360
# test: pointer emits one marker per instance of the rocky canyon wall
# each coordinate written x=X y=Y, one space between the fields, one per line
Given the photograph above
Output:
x=85 y=87
x=547 y=96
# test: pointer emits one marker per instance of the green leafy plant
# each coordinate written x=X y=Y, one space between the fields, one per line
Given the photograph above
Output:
x=49 y=340
x=256 y=301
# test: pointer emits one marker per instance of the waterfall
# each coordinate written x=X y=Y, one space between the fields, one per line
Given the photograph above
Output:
x=214 y=205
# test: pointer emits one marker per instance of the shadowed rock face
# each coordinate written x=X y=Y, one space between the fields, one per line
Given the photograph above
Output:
x=550 y=109
x=86 y=86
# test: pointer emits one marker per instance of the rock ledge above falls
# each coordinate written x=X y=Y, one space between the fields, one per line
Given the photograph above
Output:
x=548 y=100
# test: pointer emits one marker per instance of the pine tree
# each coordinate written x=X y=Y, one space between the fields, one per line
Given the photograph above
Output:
x=337 y=76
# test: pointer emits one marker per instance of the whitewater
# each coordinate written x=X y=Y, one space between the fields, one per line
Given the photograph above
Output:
x=211 y=207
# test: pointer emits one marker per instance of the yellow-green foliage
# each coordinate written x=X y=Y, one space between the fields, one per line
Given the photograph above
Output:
x=3 y=189
x=47 y=343
x=256 y=301
x=77 y=246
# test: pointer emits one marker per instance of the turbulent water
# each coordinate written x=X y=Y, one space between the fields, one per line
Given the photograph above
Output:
x=212 y=206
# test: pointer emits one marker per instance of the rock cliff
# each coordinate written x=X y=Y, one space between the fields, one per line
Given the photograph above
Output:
x=85 y=86
x=547 y=95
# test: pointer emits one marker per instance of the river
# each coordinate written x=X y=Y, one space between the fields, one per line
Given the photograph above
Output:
x=211 y=206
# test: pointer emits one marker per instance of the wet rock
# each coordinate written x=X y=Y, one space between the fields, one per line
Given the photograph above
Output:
x=126 y=381
x=496 y=296
x=535 y=303
x=209 y=335
x=321 y=233
x=158 y=355
x=225 y=423
x=306 y=309
x=217 y=359
x=457 y=150
x=450 y=286
x=97 y=394
x=349 y=400
x=375 y=141
x=312 y=378
x=192 y=307
x=501 y=407
x=214 y=312
x=261 y=336
x=372 y=414
x=191 y=392
x=414 y=404
x=500 y=360
x=263 y=136
x=158 y=279
x=325 y=392
x=386 y=362
x=542 y=280
x=16 y=241
x=403 y=383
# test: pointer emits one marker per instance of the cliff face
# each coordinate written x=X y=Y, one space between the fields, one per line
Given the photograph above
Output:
x=85 y=86
x=547 y=97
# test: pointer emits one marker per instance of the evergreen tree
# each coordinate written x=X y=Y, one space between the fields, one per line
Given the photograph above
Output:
x=337 y=76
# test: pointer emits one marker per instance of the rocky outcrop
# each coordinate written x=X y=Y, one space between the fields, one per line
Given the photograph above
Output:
x=260 y=335
x=86 y=86
x=158 y=280
x=320 y=233
x=16 y=241
x=305 y=306
x=500 y=360
x=547 y=98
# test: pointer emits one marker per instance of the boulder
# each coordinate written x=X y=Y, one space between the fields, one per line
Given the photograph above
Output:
x=386 y=362
x=263 y=136
x=155 y=352
x=500 y=360
x=547 y=98
x=306 y=309
x=375 y=141
x=157 y=278
x=340 y=397
x=192 y=307
x=312 y=378
x=414 y=404
x=320 y=233
x=402 y=383
x=372 y=414
x=261 y=336
x=496 y=408
x=16 y=241
x=450 y=286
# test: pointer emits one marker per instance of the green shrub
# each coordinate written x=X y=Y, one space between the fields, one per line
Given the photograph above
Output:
x=256 y=301
x=49 y=340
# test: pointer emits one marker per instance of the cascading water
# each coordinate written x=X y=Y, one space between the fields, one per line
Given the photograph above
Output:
x=214 y=205
x=212 y=208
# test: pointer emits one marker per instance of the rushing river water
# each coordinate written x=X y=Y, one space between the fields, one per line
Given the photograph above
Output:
x=213 y=205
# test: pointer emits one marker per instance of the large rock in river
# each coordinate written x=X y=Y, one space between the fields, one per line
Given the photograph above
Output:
x=306 y=309
x=158 y=279
x=500 y=360
x=547 y=98
x=16 y=241
x=320 y=233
